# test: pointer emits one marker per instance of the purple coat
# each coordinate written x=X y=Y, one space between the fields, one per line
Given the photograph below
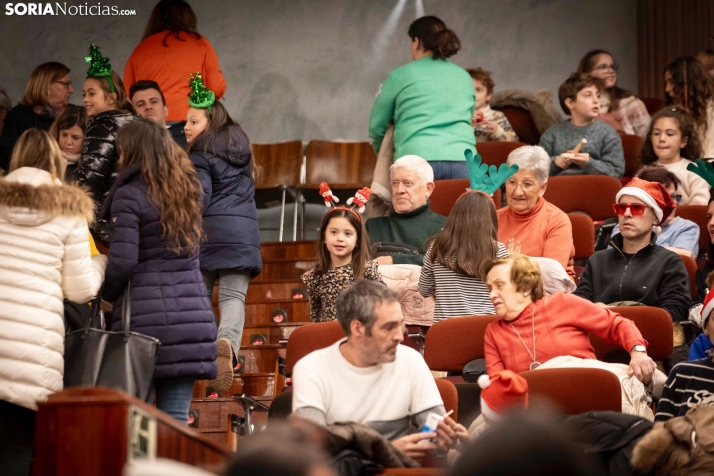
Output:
x=168 y=297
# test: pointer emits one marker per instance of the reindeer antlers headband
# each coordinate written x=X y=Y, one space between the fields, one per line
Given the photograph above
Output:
x=357 y=202
x=484 y=178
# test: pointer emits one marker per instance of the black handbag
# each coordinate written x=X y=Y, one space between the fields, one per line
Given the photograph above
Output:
x=99 y=358
x=385 y=248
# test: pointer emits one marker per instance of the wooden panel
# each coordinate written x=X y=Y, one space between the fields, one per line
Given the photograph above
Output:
x=274 y=333
x=288 y=270
x=281 y=163
x=259 y=292
x=84 y=431
x=261 y=358
x=288 y=250
x=340 y=163
x=260 y=314
x=667 y=29
x=213 y=417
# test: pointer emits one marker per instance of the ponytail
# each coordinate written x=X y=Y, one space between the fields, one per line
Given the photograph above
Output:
x=435 y=37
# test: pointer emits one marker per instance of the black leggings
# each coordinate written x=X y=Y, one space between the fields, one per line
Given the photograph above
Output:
x=17 y=434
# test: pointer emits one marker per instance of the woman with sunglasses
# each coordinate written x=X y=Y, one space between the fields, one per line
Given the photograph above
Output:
x=618 y=107
x=636 y=268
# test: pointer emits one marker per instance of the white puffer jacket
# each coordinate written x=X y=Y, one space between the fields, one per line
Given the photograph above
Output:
x=44 y=257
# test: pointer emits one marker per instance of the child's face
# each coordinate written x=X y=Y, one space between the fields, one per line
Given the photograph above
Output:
x=586 y=104
x=196 y=123
x=95 y=99
x=340 y=238
x=667 y=140
x=482 y=96
x=603 y=70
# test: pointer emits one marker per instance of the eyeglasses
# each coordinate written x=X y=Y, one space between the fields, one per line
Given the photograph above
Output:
x=676 y=197
x=525 y=186
x=605 y=67
x=66 y=84
x=636 y=209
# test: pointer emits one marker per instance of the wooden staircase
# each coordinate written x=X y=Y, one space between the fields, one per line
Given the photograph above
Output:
x=276 y=305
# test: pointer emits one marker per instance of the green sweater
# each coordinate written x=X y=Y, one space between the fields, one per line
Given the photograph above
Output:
x=431 y=103
x=413 y=228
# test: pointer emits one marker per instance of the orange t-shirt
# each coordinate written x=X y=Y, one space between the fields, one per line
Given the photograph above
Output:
x=170 y=66
x=545 y=231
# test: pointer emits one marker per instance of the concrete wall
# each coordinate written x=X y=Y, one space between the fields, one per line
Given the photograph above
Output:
x=309 y=69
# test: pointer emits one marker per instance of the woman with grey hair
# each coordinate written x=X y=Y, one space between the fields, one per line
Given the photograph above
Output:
x=529 y=224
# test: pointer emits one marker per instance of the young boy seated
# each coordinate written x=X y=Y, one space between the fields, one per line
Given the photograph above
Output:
x=691 y=383
x=489 y=125
x=602 y=154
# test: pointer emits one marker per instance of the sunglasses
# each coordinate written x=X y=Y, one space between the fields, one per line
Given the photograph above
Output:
x=636 y=209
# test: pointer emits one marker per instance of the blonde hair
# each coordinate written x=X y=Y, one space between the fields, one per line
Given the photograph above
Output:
x=36 y=148
x=525 y=274
x=38 y=87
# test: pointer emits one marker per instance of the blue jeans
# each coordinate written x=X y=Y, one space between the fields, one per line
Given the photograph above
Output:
x=173 y=396
x=447 y=169
x=232 y=286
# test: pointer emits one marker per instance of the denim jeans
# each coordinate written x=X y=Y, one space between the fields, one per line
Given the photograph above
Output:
x=232 y=286
x=447 y=169
x=17 y=435
x=174 y=395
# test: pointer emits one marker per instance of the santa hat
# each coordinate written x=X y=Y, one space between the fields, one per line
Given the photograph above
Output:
x=653 y=194
x=502 y=391
x=706 y=309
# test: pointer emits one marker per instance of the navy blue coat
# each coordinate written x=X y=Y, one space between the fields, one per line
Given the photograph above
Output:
x=230 y=218
x=168 y=297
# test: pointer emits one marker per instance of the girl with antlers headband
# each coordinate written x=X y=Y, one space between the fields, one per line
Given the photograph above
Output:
x=342 y=252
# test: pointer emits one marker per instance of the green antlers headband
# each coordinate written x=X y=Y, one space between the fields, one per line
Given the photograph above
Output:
x=99 y=66
x=704 y=169
x=484 y=178
x=200 y=96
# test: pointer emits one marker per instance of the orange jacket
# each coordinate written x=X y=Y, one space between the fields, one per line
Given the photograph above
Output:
x=170 y=66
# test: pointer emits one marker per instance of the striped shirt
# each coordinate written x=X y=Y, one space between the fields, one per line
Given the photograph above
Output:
x=689 y=384
x=456 y=294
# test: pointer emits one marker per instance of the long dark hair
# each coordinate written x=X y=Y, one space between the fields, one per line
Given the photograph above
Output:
x=220 y=122
x=173 y=17
x=470 y=236
x=693 y=88
x=435 y=37
x=685 y=122
x=171 y=180
x=360 y=255
x=616 y=93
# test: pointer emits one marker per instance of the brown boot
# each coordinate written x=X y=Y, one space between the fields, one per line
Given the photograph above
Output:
x=224 y=365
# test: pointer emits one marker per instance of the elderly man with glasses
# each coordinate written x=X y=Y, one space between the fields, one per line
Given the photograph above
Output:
x=636 y=268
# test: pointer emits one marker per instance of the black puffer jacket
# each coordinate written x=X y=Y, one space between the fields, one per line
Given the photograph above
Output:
x=97 y=167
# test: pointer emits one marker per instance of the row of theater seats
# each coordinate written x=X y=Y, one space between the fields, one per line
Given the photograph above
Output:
x=452 y=343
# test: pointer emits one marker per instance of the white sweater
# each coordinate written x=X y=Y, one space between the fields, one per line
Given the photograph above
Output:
x=694 y=189
x=44 y=257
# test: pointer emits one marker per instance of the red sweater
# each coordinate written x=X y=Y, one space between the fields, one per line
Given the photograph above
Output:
x=562 y=323
x=170 y=66
x=545 y=231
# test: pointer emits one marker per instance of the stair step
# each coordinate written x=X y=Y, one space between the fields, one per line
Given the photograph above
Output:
x=290 y=269
x=213 y=416
x=262 y=292
x=272 y=334
x=261 y=314
x=260 y=358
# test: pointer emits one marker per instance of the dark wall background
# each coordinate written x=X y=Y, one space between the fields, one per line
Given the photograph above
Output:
x=309 y=69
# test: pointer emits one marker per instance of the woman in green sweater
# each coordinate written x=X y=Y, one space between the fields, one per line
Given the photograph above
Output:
x=431 y=102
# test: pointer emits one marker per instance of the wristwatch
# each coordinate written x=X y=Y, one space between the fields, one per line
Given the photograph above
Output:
x=639 y=348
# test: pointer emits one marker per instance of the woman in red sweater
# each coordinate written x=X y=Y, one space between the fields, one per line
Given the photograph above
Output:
x=534 y=328
x=171 y=50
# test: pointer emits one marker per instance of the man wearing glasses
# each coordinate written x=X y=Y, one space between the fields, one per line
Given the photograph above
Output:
x=636 y=268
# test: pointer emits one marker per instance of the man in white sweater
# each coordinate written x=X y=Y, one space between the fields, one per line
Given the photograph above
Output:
x=369 y=378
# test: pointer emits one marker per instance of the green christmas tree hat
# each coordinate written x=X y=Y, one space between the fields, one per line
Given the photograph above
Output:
x=99 y=66
x=200 y=96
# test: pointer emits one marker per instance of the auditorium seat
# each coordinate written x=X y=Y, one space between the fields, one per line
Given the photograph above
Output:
x=576 y=390
x=697 y=214
x=496 y=153
x=281 y=164
x=653 y=105
x=522 y=123
x=691 y=265
x=591 y=194
x=447 y=192
x=340 y=164
x=310 y=337
x=583 y=239
x=655 y=325
x=631 y=146
x=449 y=396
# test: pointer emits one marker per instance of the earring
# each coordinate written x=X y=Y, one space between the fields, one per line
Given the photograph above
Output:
x=525 y=294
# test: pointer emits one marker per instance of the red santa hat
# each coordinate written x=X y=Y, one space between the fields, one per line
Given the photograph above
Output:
x=706 y=309
x=502 y=391
x=653 y=194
